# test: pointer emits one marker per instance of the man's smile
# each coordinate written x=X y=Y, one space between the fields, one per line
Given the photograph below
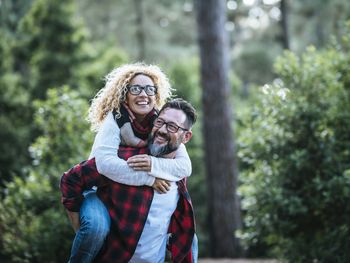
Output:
x=161 y=138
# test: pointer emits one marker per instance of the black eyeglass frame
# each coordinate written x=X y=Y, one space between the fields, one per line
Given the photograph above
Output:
x=175 y=126
x=141 y=88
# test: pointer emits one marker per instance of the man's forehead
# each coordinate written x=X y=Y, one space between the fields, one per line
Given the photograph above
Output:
x=173 y=115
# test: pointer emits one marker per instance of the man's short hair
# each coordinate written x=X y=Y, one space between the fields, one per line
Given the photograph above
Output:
x=186 y=107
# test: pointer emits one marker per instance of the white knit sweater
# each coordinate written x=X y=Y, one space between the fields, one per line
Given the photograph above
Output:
x=108 y=163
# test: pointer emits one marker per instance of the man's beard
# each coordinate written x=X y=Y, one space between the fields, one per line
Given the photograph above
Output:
x=160 y=150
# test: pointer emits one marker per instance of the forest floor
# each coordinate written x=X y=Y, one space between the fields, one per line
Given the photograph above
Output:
x=212 y=260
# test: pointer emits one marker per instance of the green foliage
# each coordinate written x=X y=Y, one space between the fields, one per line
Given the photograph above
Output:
x=42 y=50
x=66 y=137
x=294 y=155
x=308 y=23
x=34 y=224
x=11 y=12
x=33 y=221
x=254 y=64
x=184 y=77
x=51 y=46
x=47 y=48
x=14 y=113
x=103 y=58
x=166 y=27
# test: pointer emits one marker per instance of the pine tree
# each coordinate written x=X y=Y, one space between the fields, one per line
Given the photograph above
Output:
x=43 y=50
x=52 y=44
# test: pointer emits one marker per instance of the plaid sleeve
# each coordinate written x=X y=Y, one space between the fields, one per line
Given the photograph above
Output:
x=76 y=180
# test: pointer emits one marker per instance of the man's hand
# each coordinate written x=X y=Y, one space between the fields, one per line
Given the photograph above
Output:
x=74 y=219
x=140 y=162
x=161 y=186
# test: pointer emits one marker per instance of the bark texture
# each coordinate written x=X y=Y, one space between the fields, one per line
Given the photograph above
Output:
x=220 y=162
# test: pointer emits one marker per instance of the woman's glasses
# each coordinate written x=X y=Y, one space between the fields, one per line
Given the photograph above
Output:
x=137 y=89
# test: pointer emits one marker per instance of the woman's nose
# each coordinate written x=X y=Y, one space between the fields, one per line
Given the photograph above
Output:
x=143 y=93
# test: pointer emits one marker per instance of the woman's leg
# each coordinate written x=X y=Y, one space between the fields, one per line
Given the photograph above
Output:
x=94 y=227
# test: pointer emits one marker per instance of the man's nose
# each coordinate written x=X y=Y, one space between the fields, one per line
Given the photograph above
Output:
x=163 y=129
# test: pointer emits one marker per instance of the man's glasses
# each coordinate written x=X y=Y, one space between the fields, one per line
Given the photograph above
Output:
x=137 y=89
x=170 y=126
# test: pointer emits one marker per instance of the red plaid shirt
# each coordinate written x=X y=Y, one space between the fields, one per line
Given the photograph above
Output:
x=128 y=208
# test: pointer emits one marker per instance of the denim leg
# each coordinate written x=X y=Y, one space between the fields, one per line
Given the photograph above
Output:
x=195 y=248
x=94 y=227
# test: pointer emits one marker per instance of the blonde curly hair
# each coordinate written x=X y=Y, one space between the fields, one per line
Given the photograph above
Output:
x=114 y=92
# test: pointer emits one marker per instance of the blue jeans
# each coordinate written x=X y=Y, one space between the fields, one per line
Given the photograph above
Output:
x=195 y=249
x=94 y=227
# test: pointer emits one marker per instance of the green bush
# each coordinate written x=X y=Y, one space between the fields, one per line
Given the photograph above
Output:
x=33 y=223
x=294 y=151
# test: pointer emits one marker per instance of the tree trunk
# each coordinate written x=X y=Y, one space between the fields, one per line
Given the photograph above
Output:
x=221 y=169
x=140 y=35
x=284 y=24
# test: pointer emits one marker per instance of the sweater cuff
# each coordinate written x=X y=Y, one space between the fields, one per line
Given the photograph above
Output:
x=150 y=180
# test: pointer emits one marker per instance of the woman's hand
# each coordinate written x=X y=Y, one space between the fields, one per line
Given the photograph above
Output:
x=161 y=186
x=140 y=162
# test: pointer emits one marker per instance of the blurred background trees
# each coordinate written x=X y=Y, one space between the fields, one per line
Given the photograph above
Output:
x=290 y=113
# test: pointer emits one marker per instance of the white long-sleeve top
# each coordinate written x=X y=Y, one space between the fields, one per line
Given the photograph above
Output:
x=105 y=149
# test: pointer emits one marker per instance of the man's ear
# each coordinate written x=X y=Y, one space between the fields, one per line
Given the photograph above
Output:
x=187 y=137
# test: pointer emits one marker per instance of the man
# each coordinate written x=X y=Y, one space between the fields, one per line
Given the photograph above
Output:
x=140 y=219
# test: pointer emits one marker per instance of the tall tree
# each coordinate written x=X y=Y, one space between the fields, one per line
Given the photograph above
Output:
x=140 y=32
x=284 y=24
x=15 y=114
x=53 y=44
x=224 y=212
x=160 y=28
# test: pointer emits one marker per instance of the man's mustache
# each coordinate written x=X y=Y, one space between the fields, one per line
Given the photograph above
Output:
x=160 y=134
